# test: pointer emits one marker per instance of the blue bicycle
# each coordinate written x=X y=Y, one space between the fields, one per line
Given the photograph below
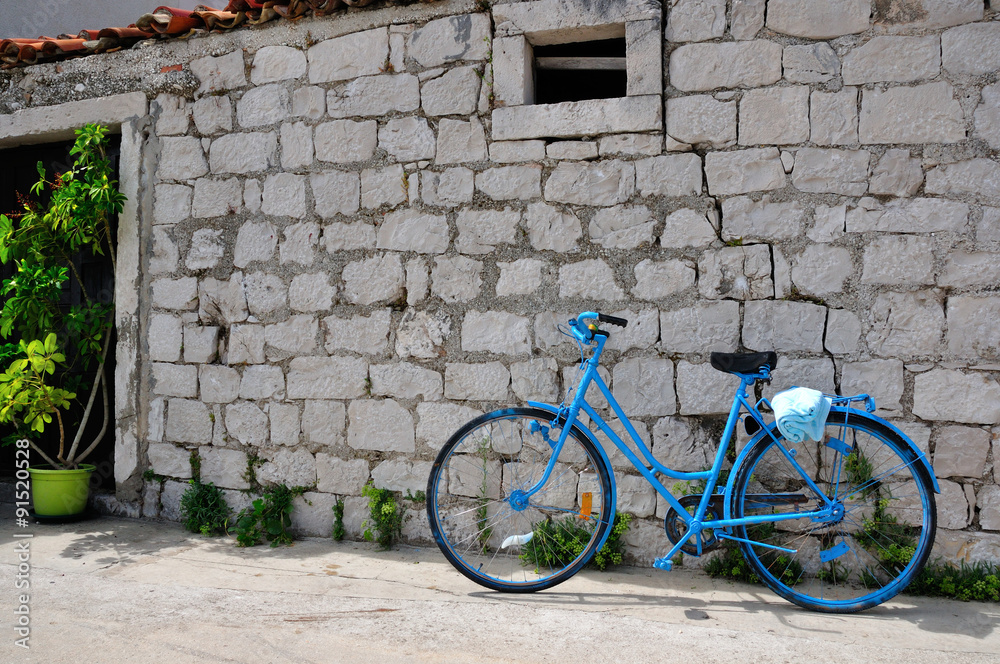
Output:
x=521 y=499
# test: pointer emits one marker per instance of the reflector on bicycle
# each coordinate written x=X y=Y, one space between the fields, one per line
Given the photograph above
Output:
x=586 y=502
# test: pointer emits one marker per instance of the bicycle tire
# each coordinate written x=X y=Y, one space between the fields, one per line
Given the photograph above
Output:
x=877 y=546
x=481 y=528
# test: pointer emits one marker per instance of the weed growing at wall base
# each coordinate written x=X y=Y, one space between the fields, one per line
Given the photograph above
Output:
x=269 y=517
x=386 y=523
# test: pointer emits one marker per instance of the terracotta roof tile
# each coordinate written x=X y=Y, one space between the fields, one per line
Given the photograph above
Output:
x=163 y=23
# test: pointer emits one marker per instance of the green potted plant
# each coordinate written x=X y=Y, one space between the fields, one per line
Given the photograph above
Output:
x=37 y=385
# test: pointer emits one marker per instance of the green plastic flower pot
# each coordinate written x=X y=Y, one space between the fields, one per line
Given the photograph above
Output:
x=60 y=492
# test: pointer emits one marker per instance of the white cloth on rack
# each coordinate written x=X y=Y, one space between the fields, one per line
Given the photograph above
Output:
x=801 y=413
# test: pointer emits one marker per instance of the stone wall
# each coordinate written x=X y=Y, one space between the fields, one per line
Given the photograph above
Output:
x=343 y=263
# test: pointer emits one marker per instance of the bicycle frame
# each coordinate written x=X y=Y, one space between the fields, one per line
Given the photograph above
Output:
x=711 y=477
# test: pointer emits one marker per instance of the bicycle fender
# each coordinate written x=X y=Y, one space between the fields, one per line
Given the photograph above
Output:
x=773 y=428
x=604 y=457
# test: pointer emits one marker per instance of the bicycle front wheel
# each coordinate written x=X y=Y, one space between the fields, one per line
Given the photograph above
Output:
x=878 y=536
x=487 y=526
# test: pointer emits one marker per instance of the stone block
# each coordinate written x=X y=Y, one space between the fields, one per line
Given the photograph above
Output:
x=535 y=379
x=635 y=496
x=201 y=343
x=188 y=422
x=817 y=374
x=219 y=384
x=452 y=39
x=181 y=158
x=312 y=514
x=926 y=113
x=688 y=228
x=800 y=18
x=452 y=187
x=206 y=249
x=216 y=74
x=296 y=145
x=401 y=475
x=376 y=279
x=575 y=119
x=521 y=277
x=324 y=422
x=951 y=395
x=246 y=345
x=972 y=328
x=843 y=331
x=742 y=273
x=213 y=115
x=173 y=203
x=702 y=390
x=988 y=502
x=746 y=219
x=165 y=255
x=629 y=144
x=973 y=176
x=299 y=245
x=255 y=242
x=341 y=476
x=456 y=278
x=696 y=20
x=668 y=175
x=552 y=228
x=407 y=139
x=784 y=326
x=509 y=152
x=289 y=467
x=266 y=105
x=590 y=279
x=247 y=423
x=897 y=174
x=919 y=215
x=262 y=382
x=702 y=120
x=265 y=293
x=899 y=260
x=833 y=117
x=906 y=325
x=961 y=452
x=743 y=171
x=277 y=63
x=623 y=227
x=511 y=182
x=456 y=92
x=912 y=15
x=810 y=63
x=479 y=231
x=969 y=269
x=383 y=186
x=164 y=338
x=170 y=460
x=831 y=171
x=987 y=116
x=988 y=228
x=495 y=332
x=702 y=328
x=571 y=376
x=284 y=419
x=174 y=115
x=971 y=50
x=476 y=382
x=411 y=230
x=350 y=56
x=174 y=380
x=311 y=292
x=645 y=387
x=222 y=301
x=682 y=446
x=821 y=269
x=578 y=150
x=292 y=337
x=422 y=334
x=284 y=195
x=251 y=152
x=894 y=59
x=460 y=141
x=346 y=141
x=405 y=381
x=374 y=96
x=775 y=116
x=656 y=280
x=882 y=379
x=747 y=18
x=367 y=335
x=439 y=420
x=179 y=294
x=309 y=102
x=326 y=378
x=954 y=511
x=380 y=425
x=603 y=183
x=747 y=64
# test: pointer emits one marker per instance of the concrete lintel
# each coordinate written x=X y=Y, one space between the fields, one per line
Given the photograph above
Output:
x=49 y=124
x=579 y=118
x=542 y=18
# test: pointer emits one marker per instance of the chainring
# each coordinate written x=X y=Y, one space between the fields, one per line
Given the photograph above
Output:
x=676 y=529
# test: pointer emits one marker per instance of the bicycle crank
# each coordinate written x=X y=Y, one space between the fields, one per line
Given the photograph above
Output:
x=676 y=529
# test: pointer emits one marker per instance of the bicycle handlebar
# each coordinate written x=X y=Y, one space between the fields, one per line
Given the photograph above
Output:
x=585 y=333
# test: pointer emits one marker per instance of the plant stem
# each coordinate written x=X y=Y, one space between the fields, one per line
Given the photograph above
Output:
x=104 y=427
x=90 y=402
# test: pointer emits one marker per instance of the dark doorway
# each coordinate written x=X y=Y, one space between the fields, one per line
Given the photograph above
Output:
x=18 y=172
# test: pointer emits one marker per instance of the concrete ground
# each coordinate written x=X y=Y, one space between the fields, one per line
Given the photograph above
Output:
x=120 y=590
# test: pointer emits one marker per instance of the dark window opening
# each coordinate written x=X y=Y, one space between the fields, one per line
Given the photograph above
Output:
x=18 y=172
x=580 y=70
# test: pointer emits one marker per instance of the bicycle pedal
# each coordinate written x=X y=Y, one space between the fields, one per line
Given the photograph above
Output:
x=664 y=564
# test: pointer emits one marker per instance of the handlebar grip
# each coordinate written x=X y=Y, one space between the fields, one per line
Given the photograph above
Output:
x=612 y=320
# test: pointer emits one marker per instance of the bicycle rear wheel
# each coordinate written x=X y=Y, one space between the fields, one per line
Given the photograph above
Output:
x=881 y=532
x=481 y=519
